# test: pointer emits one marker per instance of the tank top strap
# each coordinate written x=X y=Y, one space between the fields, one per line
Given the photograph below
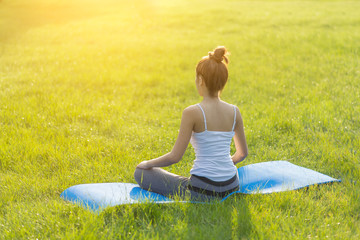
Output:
x=234 y=118
x=203 y=115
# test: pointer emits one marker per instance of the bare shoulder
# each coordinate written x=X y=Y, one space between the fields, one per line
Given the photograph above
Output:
x=191 y=111
x=239 y=120
x=232 y=107
x=237 y=110
x=191 y=108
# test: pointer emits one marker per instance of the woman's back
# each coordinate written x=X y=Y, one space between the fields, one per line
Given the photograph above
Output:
x=212 y=146
x=219 y=116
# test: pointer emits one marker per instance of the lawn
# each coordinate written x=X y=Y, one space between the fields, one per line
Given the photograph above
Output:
x=89 y=88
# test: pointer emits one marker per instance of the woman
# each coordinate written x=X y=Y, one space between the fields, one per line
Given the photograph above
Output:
x=210 y=127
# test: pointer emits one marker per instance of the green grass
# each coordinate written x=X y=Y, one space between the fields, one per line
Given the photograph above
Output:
x=88 y=89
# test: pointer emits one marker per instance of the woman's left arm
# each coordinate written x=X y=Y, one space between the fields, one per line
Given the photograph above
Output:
x=186 y=127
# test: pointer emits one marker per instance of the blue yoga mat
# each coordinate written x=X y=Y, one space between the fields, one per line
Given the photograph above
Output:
x=258 y=178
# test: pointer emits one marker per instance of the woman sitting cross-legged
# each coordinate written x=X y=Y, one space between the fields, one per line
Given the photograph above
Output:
x=210 y=126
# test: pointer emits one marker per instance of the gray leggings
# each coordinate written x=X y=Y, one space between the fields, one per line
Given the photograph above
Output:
x=171 y=185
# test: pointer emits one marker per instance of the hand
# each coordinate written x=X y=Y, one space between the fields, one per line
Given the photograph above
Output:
x=143 y=165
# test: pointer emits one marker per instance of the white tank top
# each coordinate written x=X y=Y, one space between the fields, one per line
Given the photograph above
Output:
x=212 y=150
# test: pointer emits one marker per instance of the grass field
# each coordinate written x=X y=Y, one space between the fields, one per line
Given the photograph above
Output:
x=89 y=88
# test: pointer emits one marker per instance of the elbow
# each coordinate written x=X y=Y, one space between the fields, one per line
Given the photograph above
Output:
x=240 y=156
x=173 y=158
x=244 y=155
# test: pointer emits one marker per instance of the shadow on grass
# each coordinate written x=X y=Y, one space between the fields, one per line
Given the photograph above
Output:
x=230 y=219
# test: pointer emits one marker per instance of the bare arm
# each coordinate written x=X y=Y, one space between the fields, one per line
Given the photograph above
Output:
x=240 y=140
x=186 y=127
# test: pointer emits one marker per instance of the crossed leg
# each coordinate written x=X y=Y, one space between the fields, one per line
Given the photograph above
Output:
x=161 y=181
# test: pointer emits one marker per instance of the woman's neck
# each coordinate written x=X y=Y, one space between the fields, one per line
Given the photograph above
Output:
x=209 y=98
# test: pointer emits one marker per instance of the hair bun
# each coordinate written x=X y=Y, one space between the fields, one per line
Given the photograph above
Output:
x=219 y=54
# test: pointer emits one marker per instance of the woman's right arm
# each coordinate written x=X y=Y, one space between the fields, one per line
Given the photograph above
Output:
x=239 y=139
